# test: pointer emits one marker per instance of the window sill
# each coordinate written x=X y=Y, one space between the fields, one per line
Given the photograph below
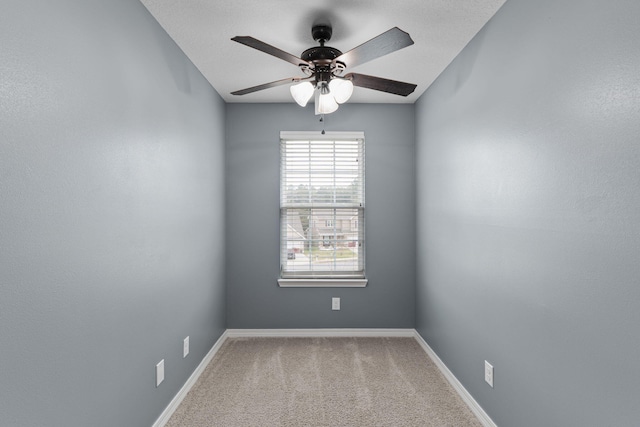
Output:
x=322 y=283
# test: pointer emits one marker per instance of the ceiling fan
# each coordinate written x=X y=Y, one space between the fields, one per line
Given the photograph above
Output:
x=324 y=66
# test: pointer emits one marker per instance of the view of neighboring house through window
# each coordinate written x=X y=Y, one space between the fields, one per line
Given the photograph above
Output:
x=322 y=205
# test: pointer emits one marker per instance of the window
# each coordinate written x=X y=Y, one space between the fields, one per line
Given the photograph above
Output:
x=322 y=209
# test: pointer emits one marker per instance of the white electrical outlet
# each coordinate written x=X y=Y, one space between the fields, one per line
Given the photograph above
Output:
x=335 y=303
x=488 y=373
x=185 y=347
x=159 y=372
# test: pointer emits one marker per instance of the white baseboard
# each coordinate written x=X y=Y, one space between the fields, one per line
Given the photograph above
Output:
x=309 y=333
x=175 y=402
x=458 y=387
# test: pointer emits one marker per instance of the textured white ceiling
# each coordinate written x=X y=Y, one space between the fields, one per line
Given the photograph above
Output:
x=203 y=29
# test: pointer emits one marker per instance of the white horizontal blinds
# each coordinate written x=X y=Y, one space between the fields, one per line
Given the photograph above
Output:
x=322 y=205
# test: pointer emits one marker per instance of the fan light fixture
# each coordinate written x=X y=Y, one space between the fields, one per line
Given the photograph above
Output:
x=328 y=97
x=325 y=102
x=302 y=93
x=341 y=90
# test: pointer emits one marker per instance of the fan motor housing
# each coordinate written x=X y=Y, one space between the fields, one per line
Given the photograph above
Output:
x=318 y=53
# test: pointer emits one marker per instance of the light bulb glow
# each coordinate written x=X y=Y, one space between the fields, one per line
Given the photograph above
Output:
x=341 y=89
x=302 y=93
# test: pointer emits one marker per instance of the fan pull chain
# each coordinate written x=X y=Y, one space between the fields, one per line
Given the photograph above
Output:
x=322 y=121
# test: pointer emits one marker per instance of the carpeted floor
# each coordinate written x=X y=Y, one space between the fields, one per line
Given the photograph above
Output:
x=322 y=382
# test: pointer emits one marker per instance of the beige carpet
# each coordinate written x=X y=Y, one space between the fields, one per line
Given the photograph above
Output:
x=322 y=382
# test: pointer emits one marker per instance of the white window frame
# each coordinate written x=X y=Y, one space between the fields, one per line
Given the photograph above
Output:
x=309 y=278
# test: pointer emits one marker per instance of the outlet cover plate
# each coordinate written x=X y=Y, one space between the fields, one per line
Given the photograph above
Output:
x=335 y=303
x=159 y=372
x=185 y=347
x=488 y=373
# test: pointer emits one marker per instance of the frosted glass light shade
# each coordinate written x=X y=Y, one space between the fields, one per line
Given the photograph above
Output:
x=325 y=103
x=302 y=93
x=341 y=89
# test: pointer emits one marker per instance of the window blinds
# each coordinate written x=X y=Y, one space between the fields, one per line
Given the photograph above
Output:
x=322 y=205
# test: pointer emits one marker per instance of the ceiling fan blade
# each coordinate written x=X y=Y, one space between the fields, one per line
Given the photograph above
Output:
x=378 y=83
x=267 y=48
x=268 y=85
x=385 y=43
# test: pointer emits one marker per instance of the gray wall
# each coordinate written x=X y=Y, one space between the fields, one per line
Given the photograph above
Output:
x=528 y=188
x=254 y=298
x=111 y=217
